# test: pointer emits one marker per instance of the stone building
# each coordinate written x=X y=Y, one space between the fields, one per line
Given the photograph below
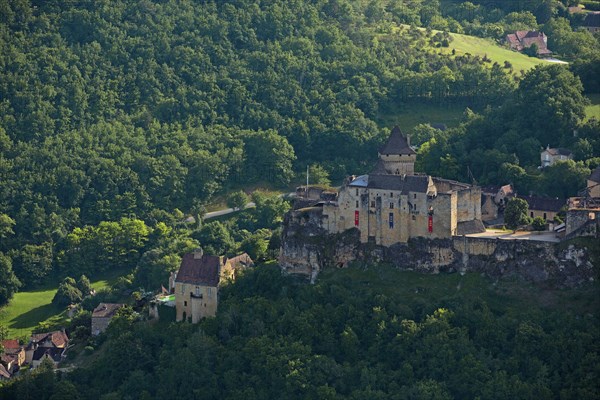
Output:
x=51 y=345
x=584 y=211
x=521 y=40
x=593 y=184
x=494 y=199
x=102 y=315
x=197 y=282
x=393 y=204
x=551 y=155
x=545 y=207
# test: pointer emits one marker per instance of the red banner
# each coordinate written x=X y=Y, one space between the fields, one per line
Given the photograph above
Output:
x=430 y=224
x=356 y=218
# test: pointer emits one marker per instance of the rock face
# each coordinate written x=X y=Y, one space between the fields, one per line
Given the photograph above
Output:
x=307 y=249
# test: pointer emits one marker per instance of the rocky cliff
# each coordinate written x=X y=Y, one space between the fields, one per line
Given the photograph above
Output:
x=307 y=249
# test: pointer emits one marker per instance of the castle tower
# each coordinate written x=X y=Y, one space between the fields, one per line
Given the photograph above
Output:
x=396 y=154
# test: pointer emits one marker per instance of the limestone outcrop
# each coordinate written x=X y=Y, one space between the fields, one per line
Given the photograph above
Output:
x=307 y=249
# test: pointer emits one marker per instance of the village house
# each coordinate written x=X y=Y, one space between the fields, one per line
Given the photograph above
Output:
x=49 y=345
x=593 y=184
x=545 y=207
x=592 y=22
x=393 y=204
x=197 y=282
x=12 y=357
x=585 y=209
x=520 y=40
x=102 y=315
x=494 y=199
x=551 y=155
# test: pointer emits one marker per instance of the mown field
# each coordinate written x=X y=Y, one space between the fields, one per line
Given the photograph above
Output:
x=593 y=110
x=481 y=47
x=27 y=309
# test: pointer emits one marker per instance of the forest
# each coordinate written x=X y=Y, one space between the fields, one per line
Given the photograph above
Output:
x=121 y=119
x=147 y=110
x=347 y=337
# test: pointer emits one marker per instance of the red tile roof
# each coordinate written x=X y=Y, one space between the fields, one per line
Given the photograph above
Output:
x=523 y=39
x=11 y=344
x=58 y=338
x=559 y=151
x=199 y=271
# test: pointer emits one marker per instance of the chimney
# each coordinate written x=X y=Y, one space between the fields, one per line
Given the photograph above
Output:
x=408 y=140
x=198 y=253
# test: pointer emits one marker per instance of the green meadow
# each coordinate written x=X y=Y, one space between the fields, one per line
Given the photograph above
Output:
x=29 y=308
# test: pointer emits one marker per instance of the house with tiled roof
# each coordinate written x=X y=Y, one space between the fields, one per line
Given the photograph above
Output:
x=13 y=355
x=392 y=203
x=102 y=315
x=521 y=40
x=551 y=155
x=196 y=283
x=51 y=345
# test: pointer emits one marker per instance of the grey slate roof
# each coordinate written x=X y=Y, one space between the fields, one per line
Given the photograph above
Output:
x=405 y=184
x=592 y=20
x=396 y=144
x=544 y=203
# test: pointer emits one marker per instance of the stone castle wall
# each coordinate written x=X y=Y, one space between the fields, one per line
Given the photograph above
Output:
x=307 y=249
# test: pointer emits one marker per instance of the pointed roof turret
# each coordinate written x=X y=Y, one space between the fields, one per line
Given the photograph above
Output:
x=396 y=144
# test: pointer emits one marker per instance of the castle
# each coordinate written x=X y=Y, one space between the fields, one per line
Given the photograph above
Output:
x=393 y=204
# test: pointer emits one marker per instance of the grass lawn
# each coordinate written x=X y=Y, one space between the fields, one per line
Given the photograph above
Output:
x=29 y=308
x=593 y=110
x=480 y=47
x=477 y=46
x=410 y=115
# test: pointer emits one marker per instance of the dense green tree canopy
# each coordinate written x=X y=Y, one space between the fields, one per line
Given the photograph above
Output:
x=516 y=213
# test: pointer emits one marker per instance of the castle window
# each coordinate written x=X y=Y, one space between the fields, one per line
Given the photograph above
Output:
x=356 y=203
x=197 y=291
x=209 y=292
x=391 y=205
x=357 y=191
x=185 y=303
x=182 y=289
x=544 y=215
x=391 y=194
x=373 y=203
x=414 y=218
x=415 y=195
x=531 y=214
